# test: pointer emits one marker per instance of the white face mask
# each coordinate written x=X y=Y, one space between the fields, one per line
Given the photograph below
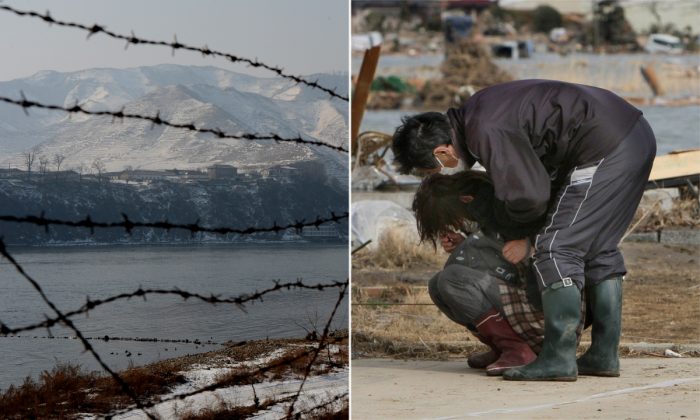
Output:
x=450 y=171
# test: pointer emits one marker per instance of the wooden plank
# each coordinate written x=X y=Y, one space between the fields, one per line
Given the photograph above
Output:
x=675 y=165
x=359 y=98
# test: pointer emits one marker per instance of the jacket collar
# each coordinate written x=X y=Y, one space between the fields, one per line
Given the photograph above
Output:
x=459 y=140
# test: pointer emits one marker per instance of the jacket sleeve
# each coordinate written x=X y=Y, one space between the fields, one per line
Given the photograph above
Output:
x=521 y=183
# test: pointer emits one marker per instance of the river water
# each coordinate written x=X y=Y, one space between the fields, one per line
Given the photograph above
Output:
x=70 y=274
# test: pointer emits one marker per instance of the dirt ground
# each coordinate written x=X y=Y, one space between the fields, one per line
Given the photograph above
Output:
x=661 y=295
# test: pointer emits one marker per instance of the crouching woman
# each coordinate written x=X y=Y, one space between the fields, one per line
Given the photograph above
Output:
x=486 y=284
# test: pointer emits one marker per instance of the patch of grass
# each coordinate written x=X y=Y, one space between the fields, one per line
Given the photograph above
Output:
x=227 y=411
x=67 y=390
x=293 y=363
x=685 y=213
x=398 y=249
x=408 y=331
x=330 y=414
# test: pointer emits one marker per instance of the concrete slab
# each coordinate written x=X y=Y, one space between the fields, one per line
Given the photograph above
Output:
x=649 y=388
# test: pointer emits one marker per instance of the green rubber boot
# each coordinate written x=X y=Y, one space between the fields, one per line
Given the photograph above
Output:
x=557 y=360
x=601 y=359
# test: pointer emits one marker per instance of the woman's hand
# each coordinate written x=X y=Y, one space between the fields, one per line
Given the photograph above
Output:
x=450 y=241
x=515 y=251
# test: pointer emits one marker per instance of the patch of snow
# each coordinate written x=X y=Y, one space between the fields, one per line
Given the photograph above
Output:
x=317 y=390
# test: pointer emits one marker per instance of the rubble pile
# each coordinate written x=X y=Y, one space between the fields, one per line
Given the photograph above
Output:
x=467 y=68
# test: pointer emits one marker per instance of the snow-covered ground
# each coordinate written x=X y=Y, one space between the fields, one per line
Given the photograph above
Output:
x=317 y=390
x=327 y=391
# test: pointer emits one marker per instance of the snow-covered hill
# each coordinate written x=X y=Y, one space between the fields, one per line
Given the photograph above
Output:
x=207 y=96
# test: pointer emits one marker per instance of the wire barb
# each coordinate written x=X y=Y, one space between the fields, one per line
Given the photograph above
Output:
x=174 y=45
x=64 y=318
x=144 y=405
x=79 y=335
x=25 y=104
x=128 y=225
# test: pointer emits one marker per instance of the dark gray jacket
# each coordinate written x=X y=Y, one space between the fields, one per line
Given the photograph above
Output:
x=528 y=133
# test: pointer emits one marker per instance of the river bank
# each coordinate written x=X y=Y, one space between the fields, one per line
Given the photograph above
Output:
x=256 y=378
x=163 y=326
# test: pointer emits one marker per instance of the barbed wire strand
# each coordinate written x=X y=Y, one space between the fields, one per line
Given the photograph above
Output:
x=239 y=301
x=128 y=225
x=195 y=341
x=144 y=406
x=229 y=381
x=175 y=45
x=325 y=404
x=322 y=343
x=86 y=344
x=25 y=104
x=326 y=330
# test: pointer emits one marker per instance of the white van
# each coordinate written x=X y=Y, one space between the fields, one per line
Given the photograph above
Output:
x=664 y=43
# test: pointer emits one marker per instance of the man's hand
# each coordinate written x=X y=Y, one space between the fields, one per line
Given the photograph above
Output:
x=450 y=241
x=515 y=251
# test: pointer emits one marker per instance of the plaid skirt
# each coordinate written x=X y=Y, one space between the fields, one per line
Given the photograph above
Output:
x=525 y=319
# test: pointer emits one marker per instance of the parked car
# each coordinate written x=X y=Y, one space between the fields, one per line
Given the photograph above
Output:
x=664 y=43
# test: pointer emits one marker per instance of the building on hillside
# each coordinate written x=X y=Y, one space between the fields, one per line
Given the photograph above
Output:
x=219 y=171
x=278 y=172
x=140 y=175
x=189 y=176
x=68 y=175
x=323 y=232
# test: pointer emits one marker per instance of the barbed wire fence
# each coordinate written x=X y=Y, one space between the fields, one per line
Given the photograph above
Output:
x=25 y=104
x=64 y=318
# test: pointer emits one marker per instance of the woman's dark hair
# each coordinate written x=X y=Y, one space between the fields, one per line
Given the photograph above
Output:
x=417 y=137
x=439 y=208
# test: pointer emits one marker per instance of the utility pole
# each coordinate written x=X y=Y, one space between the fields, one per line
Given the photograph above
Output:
x=596 y=26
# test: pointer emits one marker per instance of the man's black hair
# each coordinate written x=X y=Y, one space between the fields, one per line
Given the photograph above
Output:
x=417 y=137
x=439 y=208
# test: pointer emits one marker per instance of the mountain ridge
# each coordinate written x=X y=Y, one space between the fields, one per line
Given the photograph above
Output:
x=205 y=95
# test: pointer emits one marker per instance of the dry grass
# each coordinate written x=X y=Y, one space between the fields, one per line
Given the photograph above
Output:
x=683 y=214
x=396 y=250
x=661 y=293
x=407 y=331
x=330 y=414
x=291 y=364
x=67 y=390
x=226 y=411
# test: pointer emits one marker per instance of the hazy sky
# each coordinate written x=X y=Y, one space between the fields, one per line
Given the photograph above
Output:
x=303 y=36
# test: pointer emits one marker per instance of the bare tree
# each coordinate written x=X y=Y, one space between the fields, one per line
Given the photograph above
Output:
x=58 y=160
x=653 y=9
x=29 y=161
x=99 y=167
x=80 y=169
x=128 y=169
x=43 y=165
